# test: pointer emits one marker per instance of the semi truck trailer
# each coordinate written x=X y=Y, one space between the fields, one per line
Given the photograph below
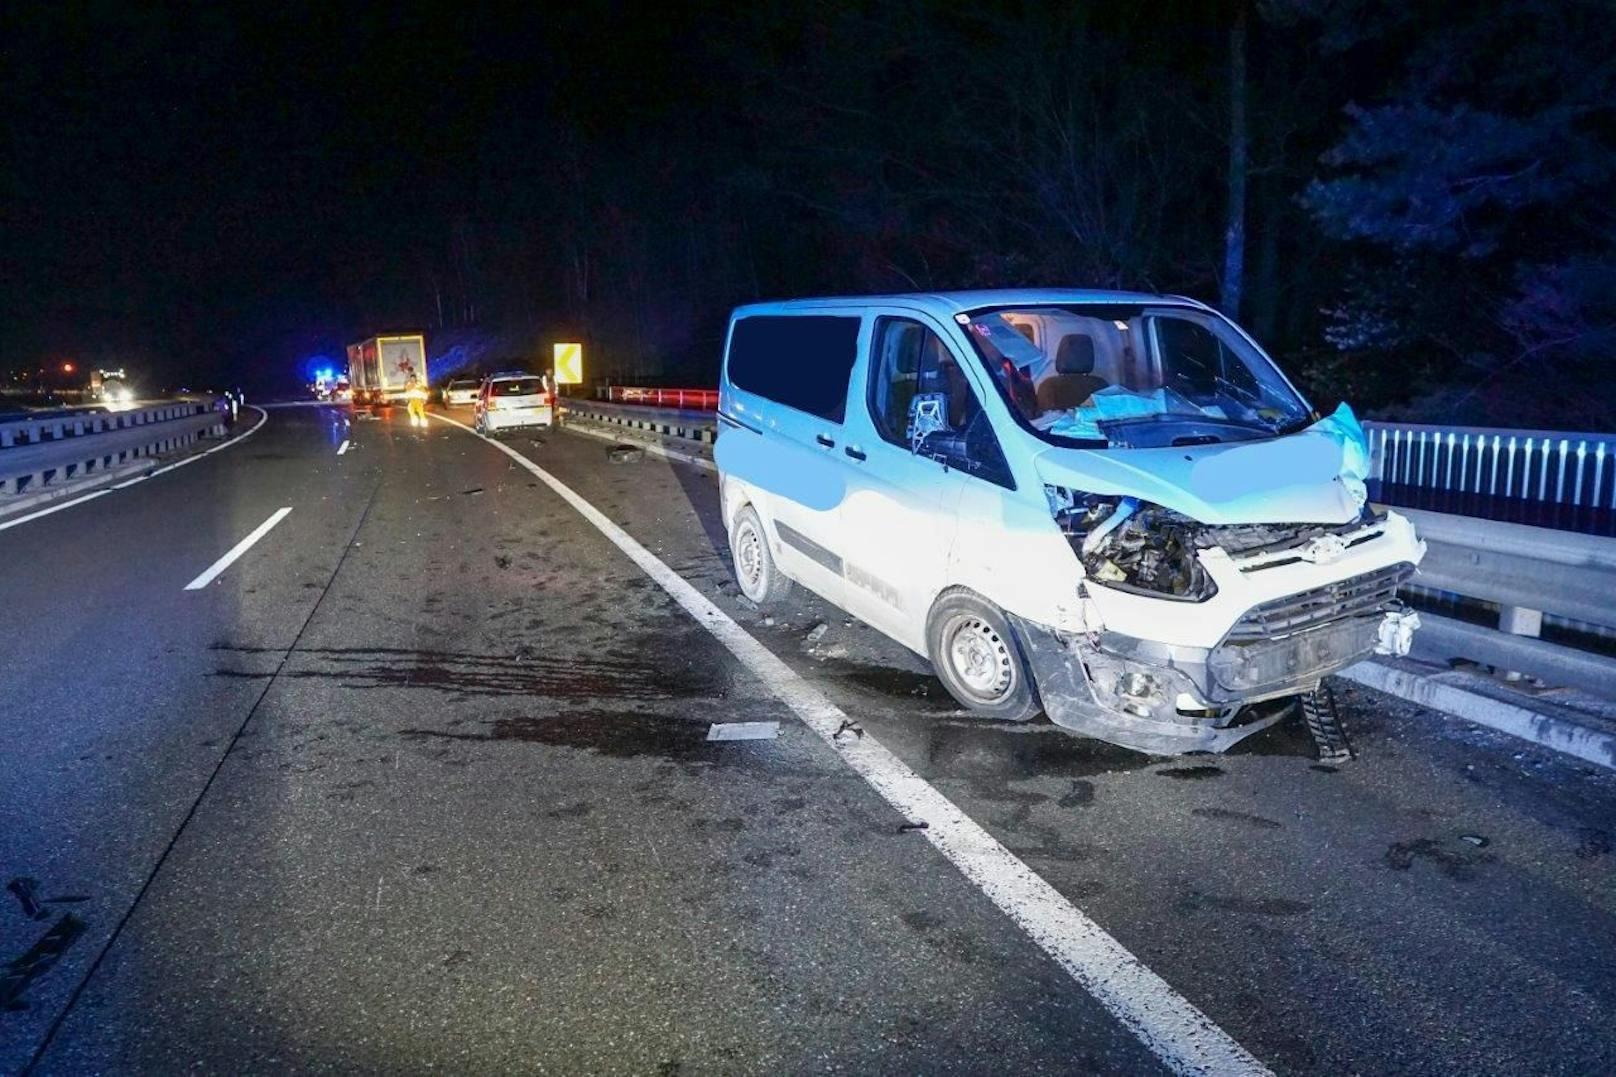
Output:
x=380 y=368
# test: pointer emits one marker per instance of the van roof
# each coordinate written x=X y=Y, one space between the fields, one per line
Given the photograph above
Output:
x=947 y=304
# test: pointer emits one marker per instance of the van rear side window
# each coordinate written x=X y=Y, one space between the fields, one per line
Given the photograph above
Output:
x=802 y=362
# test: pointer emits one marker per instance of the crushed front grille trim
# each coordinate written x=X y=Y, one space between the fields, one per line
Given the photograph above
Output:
x=1356 y=596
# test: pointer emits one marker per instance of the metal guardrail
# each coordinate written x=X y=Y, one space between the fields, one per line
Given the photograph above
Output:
x=1527 y=572
x=1545 y=478
x=36 y=452
x=684 y=423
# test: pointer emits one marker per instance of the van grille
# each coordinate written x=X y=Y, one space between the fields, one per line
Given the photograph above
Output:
x=1356 y=596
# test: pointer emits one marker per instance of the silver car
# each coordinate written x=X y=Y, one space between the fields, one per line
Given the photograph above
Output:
x=461 y=392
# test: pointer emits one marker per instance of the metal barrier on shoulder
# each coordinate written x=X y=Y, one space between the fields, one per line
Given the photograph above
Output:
x=1528 y=572
x=37 y=452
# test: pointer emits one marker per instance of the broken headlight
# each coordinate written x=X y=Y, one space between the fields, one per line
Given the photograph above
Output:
x=1133 y=545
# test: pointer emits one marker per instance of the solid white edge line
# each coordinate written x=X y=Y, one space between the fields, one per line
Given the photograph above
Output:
x=263 y=417
x=1168 y=1024
x=343 y=447
x=210 y=573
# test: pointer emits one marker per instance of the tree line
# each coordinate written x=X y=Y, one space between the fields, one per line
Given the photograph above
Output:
x=1409 y=204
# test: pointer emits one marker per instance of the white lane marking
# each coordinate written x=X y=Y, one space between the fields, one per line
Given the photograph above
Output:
x=343 y=447
x=213 y=570
x=263 y=417
x=1168 y=1024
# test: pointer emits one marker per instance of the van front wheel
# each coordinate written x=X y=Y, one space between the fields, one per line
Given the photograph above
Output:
x=978 y=659
x=759 y=577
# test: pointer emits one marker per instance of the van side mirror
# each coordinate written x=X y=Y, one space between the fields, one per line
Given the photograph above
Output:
x=926 y=417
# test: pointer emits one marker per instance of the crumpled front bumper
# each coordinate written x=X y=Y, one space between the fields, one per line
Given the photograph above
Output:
x=1169 y=700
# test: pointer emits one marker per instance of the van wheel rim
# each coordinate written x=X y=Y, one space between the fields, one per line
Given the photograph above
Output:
x=980 y=659
x=749 y=559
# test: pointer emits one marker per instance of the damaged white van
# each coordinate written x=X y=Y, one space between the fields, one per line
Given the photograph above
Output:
x=1107 y=506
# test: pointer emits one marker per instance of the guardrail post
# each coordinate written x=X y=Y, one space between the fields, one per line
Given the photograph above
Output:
x=1519 y=621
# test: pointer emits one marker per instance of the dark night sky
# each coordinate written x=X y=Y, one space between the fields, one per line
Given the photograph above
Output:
x=207 y=189
x=215 y=192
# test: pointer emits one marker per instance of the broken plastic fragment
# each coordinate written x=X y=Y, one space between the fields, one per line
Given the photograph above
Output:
x=743 y=731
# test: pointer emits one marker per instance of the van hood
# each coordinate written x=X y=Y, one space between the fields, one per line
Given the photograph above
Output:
x=1314 y=476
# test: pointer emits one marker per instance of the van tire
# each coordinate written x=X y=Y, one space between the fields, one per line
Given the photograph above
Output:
x=978 y=658
x=756 y=573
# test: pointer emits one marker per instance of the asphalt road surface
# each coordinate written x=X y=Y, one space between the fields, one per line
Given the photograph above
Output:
x=420 y=781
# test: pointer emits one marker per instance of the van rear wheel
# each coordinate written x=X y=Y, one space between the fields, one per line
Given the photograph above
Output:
x=978 y=659
x=759 y=577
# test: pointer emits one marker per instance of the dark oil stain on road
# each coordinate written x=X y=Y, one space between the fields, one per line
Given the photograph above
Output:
x=527 y=672
x=22 y=972
x=1458 y=864
x=1594 y=844
x=920 y=690
x=1191 y=774
x=1080 y=795
x=932 y=929
x=1242 y=818
x=620 y=734
x=977 y=748
x=1195 y=901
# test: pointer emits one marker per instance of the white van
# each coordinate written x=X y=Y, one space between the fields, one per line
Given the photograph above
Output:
x=1108 y=506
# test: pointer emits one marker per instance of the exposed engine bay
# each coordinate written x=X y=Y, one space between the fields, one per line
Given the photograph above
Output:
x=1133 y=545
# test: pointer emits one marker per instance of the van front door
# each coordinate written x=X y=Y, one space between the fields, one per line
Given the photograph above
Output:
x=906 y=428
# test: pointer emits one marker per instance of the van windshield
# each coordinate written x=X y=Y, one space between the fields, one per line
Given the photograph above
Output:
x=1133 y=376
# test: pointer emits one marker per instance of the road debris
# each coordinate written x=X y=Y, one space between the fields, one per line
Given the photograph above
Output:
x=473 y=490
x=624 y=454
x=848 y=726
x=1324 y=723
x=743 y=731
x=817 y=633
x=39 y=959
x=907 y=827
x=26 y=891
x=1475 y=839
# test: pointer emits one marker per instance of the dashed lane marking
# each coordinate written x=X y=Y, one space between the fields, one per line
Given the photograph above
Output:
x=212 y=572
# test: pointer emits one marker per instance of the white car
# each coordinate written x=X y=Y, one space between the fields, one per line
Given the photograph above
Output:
x=513 y=399
x=1108 y=506
x=461 y=392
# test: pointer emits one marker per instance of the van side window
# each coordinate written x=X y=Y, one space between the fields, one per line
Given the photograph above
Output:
x=910 y=361
x=801 y=361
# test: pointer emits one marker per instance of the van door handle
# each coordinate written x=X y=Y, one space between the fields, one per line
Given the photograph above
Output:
x=825 y=441
x=856 y=454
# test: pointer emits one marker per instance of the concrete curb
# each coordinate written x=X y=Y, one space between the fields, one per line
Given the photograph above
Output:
x=1560 y=732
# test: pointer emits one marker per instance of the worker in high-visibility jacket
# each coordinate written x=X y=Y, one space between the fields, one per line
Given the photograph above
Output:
x=415 y=393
